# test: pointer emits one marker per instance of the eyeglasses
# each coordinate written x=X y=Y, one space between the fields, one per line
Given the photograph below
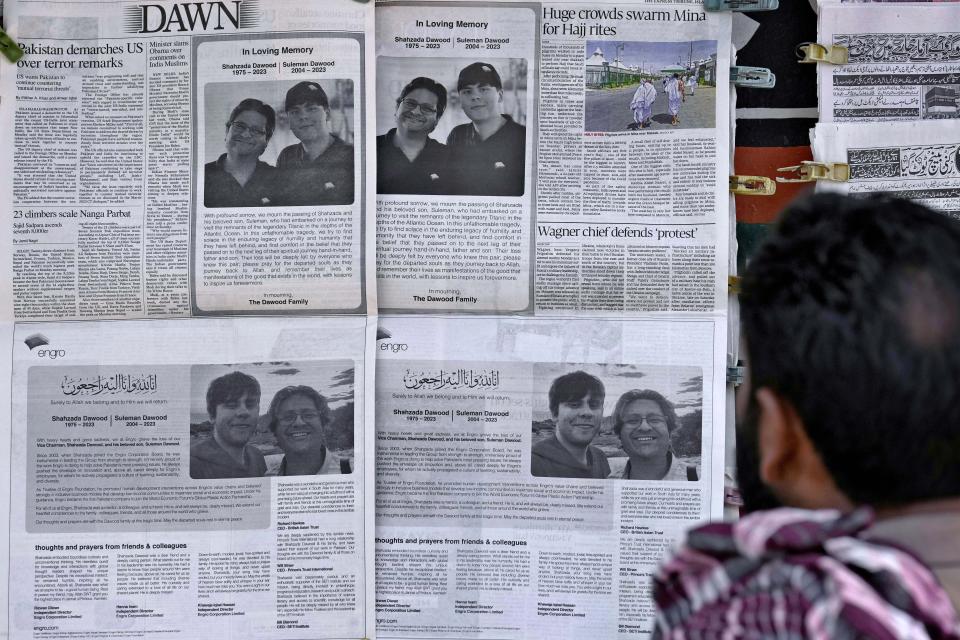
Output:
x=242 y=128
x=654 y=420
x=290 y=417
x=425 y=109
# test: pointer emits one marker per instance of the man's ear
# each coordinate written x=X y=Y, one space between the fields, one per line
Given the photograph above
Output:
x=790 y=464
x=777 y=437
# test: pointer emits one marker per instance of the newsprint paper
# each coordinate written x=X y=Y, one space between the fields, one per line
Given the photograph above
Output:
x=486 y=528
x=157 y=161
x=903 y=63
x=127 y=520
x=916 y=160
x=205 y=202
x=599 y=194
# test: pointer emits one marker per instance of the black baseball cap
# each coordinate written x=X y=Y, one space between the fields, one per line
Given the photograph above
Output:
x=305 y=92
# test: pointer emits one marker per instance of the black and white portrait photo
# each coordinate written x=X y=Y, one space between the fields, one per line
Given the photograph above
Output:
x=271 y=419
x=451 y=126
x=278 y=143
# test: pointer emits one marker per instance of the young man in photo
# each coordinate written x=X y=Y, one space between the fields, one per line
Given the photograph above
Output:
x=576 y=404
x=488 y=154
x=233 y=404
x=318 y=170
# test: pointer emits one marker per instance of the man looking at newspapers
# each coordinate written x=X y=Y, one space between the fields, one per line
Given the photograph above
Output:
x=849 y=417
x=233 y=404
x=576 y=404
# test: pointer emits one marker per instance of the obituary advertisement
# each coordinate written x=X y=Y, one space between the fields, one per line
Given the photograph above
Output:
x=552 y=158
x=205 y=478
x=531 y=473
x=919 y=161
x=180 y=159
x=903 y=63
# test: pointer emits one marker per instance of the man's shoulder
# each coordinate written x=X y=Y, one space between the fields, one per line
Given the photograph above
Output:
x=215 y=165
x=338 y=150
x=546 y=446
x=459 y=134
x=290 y=154
x=795 y=557
x=385 y=140
x=205 y=448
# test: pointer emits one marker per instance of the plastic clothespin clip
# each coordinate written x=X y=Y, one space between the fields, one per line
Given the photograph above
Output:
x=813 y=52
x=10 y=49
x=733 y=284
x=741 y=5
x=753 y=77
x=735 y=375
x=752 y=186
x=810 y=171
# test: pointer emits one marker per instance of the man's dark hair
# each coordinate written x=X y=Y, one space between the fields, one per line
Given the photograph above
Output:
x=430 y=85
x=574 y=386
x=298 y=390
x=252 y=104
x=228 y=388
x=666 y=407
x=851 y=312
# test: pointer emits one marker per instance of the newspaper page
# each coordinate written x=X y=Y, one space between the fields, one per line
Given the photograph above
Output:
x=174 y=159
x=196 y=477
x=561 y=157
x=904 y=64
x=531 y=473
x=915 y=160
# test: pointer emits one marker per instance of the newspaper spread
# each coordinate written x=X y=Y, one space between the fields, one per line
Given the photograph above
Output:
x=915 y=160
x=485 y=528
x=129 y=520
x=603 y=191
x=178 y=466
x=157 y=168
x=903 y=62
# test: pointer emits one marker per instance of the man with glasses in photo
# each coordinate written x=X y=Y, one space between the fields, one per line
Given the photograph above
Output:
x=408 y=159
x=238 y=178
x=298 y=417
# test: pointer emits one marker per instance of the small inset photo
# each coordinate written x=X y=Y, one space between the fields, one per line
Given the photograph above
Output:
x=278 y=143
x=271 y=419
x=640 y=86
x=451 y=126
x=617 y=421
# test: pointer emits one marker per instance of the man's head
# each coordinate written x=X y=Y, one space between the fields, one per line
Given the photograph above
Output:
x=644 y=420
x=851 y=319
x=308 y=111
x=250 y=127
x=233 y=404
x=298 y=415
x=576 y=403
x=480 y=91
x=421 y=105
